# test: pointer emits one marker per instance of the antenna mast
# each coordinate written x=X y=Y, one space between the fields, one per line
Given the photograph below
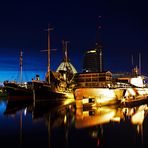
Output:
x=99 y=47
x=139 y=63
x=132 y=67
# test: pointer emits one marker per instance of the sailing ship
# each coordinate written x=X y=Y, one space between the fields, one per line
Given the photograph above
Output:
x=58 y=84
x=18 y=90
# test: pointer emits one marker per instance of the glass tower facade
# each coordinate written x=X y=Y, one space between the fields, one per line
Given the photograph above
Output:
x=93 y=60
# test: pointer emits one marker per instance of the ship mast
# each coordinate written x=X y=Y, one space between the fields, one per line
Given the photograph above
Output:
x=48 y=70
x=65 y=48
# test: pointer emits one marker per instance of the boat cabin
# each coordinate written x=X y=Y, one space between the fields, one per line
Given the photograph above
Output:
x=94 y=79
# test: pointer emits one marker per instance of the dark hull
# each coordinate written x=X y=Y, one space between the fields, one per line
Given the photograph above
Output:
x=36 y=91
x=18 y=93
x=43 y=92
x=19 y=98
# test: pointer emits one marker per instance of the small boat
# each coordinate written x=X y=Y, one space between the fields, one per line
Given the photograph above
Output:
x=137 y=91
x=16 y=91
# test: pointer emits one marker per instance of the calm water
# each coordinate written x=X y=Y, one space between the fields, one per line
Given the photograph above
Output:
x=46 y=125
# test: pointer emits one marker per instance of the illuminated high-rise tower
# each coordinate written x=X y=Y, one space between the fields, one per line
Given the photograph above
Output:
x=93 y=59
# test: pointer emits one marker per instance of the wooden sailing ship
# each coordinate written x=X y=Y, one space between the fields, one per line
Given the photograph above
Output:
x=55 y=83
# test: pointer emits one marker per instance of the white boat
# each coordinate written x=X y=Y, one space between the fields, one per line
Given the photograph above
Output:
x=91 y=92
x=97 y=96
x=96 y=89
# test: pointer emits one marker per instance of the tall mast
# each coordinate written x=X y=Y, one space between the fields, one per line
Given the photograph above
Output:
x=65 y=46
x=139 y=63
x=48 y=70
x=132 y=61
x=21 y=63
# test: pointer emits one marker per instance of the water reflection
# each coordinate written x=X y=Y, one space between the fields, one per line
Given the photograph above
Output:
x=101 y=118
x=105 y=114
x=94 y=116
x=54 y=116
x=46 y=124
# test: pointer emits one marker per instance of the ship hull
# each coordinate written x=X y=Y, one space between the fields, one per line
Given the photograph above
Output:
x=97 y=96
x=18 y=93
x=44 y=92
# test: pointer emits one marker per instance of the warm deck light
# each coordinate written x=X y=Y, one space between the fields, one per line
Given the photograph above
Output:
x=138 y=81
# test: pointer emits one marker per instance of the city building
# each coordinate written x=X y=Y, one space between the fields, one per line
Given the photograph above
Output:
x=93 y=61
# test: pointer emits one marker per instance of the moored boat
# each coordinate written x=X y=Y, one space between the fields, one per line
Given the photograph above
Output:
x=16 y=91
x=137 y=93
x=96 y=89
x=20 y=90
x=44 y=91
x=57 y=84
x=91 y=91
x=97 y=96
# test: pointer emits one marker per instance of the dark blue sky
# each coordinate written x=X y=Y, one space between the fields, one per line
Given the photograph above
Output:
x=23 y=23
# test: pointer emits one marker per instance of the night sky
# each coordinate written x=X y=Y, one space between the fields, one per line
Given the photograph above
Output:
x=23 y=24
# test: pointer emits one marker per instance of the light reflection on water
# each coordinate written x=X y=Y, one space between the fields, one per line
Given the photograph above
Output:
x=46 y=125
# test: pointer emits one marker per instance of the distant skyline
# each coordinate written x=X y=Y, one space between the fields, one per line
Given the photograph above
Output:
x=124 y=32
